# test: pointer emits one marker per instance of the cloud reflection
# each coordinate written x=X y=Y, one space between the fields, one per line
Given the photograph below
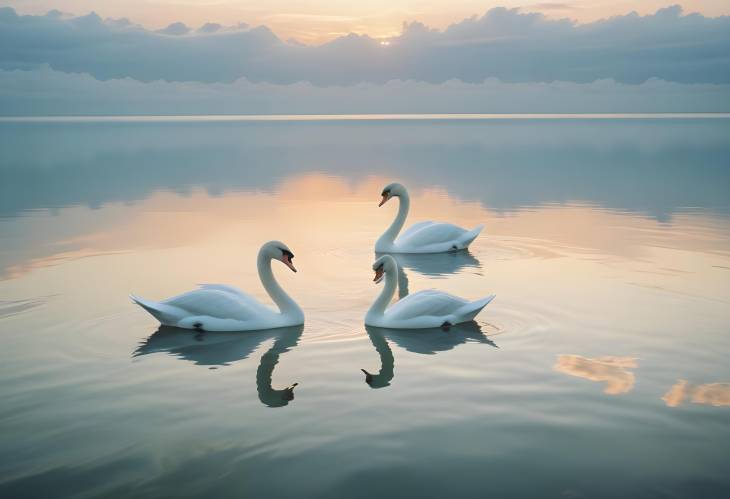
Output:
x=167 y=219
x=714 y=394
x=610 y=370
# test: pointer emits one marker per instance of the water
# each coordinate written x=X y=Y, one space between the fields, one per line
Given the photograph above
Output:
x=600 y=370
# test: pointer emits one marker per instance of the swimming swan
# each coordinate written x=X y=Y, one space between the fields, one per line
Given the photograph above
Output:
x=218 y=307
x=425 y=309
x=423 y=237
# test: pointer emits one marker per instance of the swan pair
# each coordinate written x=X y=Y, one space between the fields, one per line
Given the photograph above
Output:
x=219 y=307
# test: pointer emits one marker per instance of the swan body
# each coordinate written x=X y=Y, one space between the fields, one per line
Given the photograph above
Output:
x=219 y=307
x=424 y=309
x=422 y=237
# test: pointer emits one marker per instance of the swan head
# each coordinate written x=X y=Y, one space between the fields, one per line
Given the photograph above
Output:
x=276 y=250
x=383 y=265
x=390 y=190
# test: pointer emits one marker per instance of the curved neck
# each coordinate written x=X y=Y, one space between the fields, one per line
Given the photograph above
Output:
x=278 y=295
x=268 y=395
x=400 y=219
x=387 y=361
x=380 y=304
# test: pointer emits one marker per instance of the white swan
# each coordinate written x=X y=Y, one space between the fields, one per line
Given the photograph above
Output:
x=218 y=307
x=426 y=309
x=423 y=237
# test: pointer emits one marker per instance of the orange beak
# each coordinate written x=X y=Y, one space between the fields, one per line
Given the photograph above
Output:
x=384 y=200
x=287 y=261
x=378 y=274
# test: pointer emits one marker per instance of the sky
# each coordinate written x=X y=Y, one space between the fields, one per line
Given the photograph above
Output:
x=318 y=21
x=504 y=59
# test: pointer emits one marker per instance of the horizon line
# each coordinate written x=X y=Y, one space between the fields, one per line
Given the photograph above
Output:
x=360 y=117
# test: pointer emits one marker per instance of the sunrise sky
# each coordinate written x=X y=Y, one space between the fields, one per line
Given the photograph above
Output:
x=381 y=56
x=318 y=21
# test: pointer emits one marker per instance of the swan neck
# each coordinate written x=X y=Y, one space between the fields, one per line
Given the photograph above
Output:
x=378 y=307
x=282 y=300
x=404 y=203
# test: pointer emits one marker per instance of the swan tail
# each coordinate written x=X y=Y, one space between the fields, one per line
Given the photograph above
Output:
x=467 y=238
x=166 y=314
x=471 y=309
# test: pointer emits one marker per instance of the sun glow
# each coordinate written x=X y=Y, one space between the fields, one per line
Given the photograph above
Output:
x=319 y=21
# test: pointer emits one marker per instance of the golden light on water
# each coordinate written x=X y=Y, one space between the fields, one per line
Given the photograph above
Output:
x=613 y=371
x=346 y=210
x=713 y=394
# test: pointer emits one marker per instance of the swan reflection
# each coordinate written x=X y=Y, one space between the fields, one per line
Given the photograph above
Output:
x=222 y=349
x=611 y=370
x=422 y=341
x=714 y=394
x=432 y=265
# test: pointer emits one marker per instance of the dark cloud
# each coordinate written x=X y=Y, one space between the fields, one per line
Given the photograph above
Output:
x=503 y=43
x=47 y=92
x=174 y=29
x=209 y=28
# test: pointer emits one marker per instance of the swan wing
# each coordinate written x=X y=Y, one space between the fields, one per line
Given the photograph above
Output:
x=219 y=303
x=237 y=292
x=231 y=290
x=431 y=233
x=415 y=228
x=429 y=302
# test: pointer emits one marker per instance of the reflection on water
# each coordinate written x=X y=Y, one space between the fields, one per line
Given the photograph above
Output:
x=714 y=394
x=70 y=164
x=223 y=349
x=609 y=237
x=387 y=361
x=611 y=370
x=12 y=307
x=167 y=220
x=422 y=341
x=438 y=265
x=433 y=265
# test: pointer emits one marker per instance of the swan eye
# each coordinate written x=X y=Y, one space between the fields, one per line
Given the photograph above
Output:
x=287 y=254
x=386 y=192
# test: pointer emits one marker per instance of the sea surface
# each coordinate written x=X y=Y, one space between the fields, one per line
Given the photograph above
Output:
x=601 y=369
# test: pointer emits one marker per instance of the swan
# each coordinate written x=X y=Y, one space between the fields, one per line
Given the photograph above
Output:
x=423 y=237
x=219 y=307
x=425 y=309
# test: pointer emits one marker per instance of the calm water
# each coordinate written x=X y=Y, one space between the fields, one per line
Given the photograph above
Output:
x=600 y=370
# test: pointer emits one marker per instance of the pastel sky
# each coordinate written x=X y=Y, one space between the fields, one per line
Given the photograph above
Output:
x=179 y=56
x=317 y=21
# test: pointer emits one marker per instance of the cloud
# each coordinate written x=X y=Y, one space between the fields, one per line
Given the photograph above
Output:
x=175 y=29
x=503 y=43
x=209 y=28
x=44 y=91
